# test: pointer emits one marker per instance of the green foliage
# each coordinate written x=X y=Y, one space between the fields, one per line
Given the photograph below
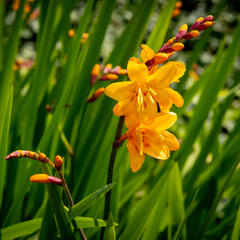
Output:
x=192 y=195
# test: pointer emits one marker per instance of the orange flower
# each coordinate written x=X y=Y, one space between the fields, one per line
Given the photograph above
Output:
x=141 y=95
x=151 y=139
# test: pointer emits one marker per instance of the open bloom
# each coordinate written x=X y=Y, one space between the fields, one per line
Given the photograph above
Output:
x=151 y=139
x=141 y=95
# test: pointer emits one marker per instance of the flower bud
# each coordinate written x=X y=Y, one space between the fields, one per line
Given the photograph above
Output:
x=177 y=47
x=58 y=161
x=44 y=178
x=71 y=33
x=96 y=94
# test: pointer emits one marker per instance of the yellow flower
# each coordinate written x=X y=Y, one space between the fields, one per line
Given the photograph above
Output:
x=151 y=139
x=140 y=95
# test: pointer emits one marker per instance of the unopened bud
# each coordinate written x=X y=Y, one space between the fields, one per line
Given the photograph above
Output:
x=177 y=47
x=178 y=4
x=199 y=19
x=184 y=27
x=122 y=71
x=209 y=18
x=71 y=33
x=208 y=24
x=44 y=178
x=58 y=161
x=194 y=33
x=95 y=72
x=96 y=94
x=160 y=58
x=84 y=37
x=170 y=41
x=43 y=157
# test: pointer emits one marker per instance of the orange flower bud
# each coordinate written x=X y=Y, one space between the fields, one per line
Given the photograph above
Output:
x=84 y=37
x=109 y=66
x=184 y=27
x=195 y=33
x=96 y=94
x=27 y=8
x=96 y=70
x=111 y=76
x=177 y=46
x=160 y=58
x=199 y=19
x=42 y=157
x=170 y=41
x=178 y=4
x=208 y=24
x=122 y=71
x=176 y=12
x=71 y=33
x=58 y=161
x=44 y=178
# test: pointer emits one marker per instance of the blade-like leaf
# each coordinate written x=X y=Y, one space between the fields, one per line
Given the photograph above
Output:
x=84 y=204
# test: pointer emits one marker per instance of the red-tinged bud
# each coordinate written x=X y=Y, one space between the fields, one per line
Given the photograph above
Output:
x=109 y=76
x=43 y=157
x=48 y=108
x=184 y=27
x=122 y=71
x=84 y=37
x=71 y=33
x=178 y=4
x=95 y=72
x=160 y=58
x=192 y=34
x=177 y=46
x=96 y=94
x=44 y=178
x=209 y=18
x=170 y=41
x=58 y=161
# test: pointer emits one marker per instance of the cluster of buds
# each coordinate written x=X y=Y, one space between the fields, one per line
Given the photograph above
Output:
x=71 y=34
x=177 y=9
x=100 y=73
x=41 y=157
x=23 y=64
x=175 y=44
x=107 y=73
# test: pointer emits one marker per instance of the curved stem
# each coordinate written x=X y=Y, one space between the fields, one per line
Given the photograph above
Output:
x=69 y=197
x=110 y=171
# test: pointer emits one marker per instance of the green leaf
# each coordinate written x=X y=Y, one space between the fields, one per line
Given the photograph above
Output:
x=87 y=222
x=157 y=36
x=86 y=203
x=21 y=229
x=4 y=144
x=137 y=222
x=236 y=228
x=175 y=196
x=109 y=231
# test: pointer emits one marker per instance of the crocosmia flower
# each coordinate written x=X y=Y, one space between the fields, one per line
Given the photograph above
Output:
x=151 y=139
x=141 y=94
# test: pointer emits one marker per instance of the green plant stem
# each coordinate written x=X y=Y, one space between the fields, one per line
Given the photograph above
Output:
x=110 y=171
x=217 y=199
x=70 y=200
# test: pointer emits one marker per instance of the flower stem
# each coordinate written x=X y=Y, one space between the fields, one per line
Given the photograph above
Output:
x=69 y=197
x=110 y=171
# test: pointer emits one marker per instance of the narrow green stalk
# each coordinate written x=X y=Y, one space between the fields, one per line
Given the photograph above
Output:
x=217 y=199
x=110 y=171
x=70 y=200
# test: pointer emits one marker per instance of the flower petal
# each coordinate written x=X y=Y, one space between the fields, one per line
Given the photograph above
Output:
x=136 y=160
x=120 y=90
x=147 y=53
x=167 y=74
x=155 y=147
x=175 y=96
x=137 y=71
x=163 y=99
x=163 y=121
x=171 y=141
